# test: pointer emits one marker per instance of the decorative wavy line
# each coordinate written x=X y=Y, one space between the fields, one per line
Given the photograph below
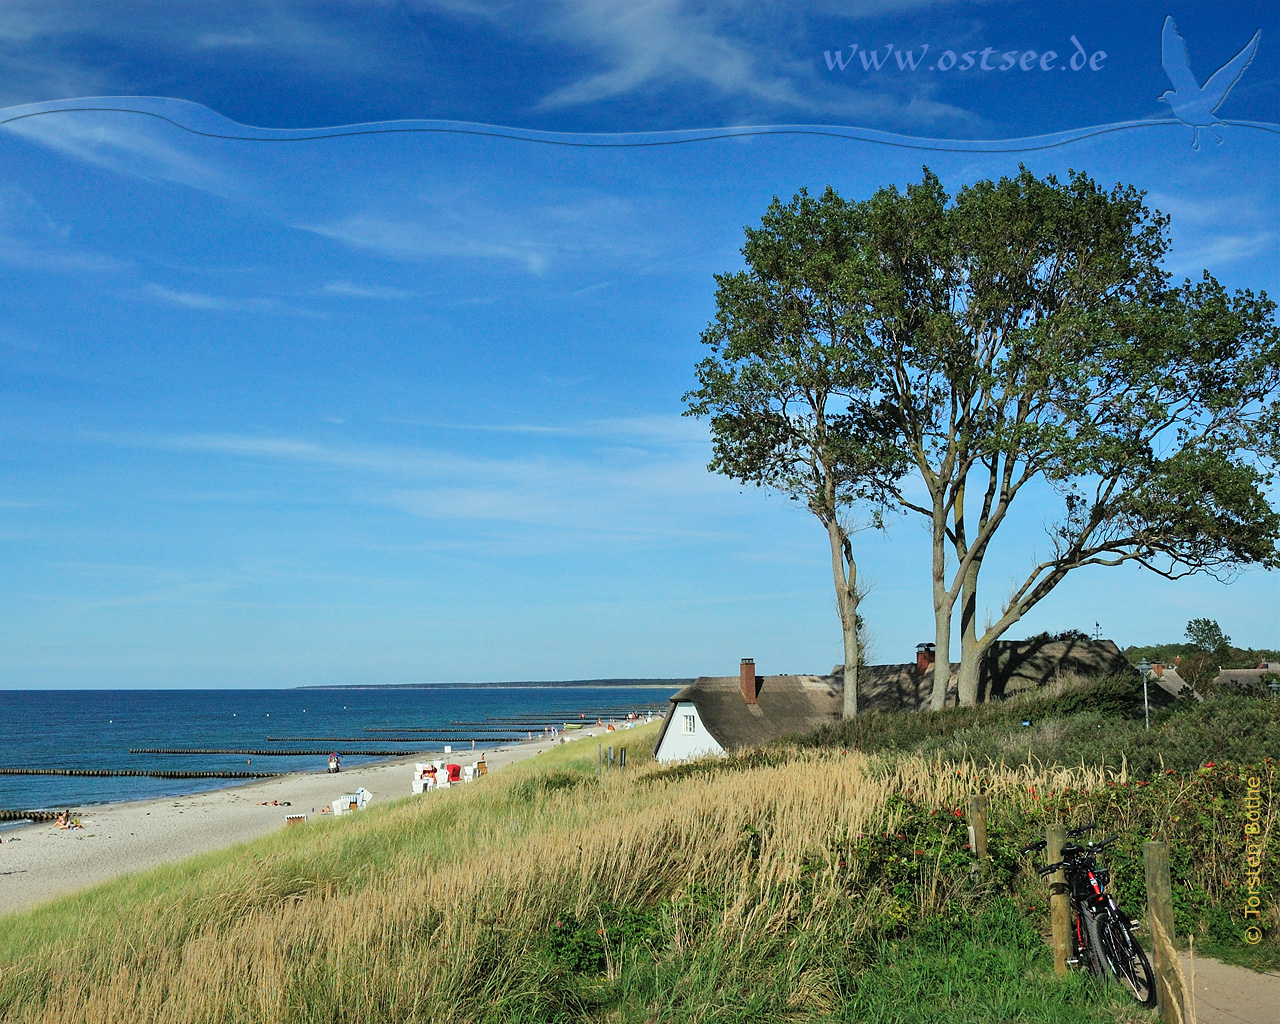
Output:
x=586 y=140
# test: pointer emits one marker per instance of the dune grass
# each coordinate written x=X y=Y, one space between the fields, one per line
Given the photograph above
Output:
x=745 y=893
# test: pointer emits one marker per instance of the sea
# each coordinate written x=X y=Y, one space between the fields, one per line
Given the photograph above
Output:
x=95 y=729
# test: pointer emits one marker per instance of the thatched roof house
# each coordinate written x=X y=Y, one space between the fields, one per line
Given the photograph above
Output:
x=1246 y=680
x=717 y=714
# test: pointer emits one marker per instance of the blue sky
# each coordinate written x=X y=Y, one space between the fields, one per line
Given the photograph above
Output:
x=406 y=407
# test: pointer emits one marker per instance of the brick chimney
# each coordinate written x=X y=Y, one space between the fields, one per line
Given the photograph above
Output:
x=747 y=676
x=924 y=657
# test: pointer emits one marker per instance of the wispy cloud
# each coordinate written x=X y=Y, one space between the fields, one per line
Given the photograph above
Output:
x=29 y=237
x=127 y=143
x=1211 y=230
x=535 y=234
x=363 y=291
x=220 y=303
x=638 y=478
x=763 y=61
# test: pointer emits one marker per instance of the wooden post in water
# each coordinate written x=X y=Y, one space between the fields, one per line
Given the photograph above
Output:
x=978 y=829
x=1155 y=861
x=1059 y=904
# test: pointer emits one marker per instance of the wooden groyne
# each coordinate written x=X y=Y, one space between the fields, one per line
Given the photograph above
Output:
x=442 y=731
x=506 y=735
x=318 y=752
x=32 y=816
x=137 y=773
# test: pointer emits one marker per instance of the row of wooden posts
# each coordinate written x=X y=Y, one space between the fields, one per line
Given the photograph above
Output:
x=1170 y=994
x=606 y=760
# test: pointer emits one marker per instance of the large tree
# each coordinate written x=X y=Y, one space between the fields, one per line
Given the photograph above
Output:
x=785 y=364
x=1029 y=338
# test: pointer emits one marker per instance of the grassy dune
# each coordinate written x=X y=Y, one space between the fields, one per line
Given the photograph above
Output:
x=779 y=888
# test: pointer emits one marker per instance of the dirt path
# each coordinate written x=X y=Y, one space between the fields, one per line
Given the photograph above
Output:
x=1233 y=995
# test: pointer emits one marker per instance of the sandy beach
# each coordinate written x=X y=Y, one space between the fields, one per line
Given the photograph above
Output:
x=39 y=862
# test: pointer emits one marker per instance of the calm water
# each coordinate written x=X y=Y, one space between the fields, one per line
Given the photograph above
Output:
x=96 y=728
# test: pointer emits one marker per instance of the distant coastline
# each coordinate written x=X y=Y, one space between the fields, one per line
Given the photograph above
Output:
x=657 y=684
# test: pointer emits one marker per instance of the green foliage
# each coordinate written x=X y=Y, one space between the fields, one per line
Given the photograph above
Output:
x=588 y=945
x=1202 y=814
x=538 y=786
x=709 y=767
x=1098 y=723
x=1207 y=635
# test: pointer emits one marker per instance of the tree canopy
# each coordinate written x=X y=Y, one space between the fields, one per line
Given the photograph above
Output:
x=785 y=363
x=1021 y=334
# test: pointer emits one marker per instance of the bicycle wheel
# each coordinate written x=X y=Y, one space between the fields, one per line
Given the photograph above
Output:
x=1127 y=959
x=1091 y=956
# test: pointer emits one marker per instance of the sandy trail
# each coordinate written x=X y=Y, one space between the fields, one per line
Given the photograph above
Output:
x=1226 y=994
x=40 y=862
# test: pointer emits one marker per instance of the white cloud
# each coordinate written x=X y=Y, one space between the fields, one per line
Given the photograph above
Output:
x=219 y=303
x=647 y=41
x=361 y=291
x=29 y=237
x=126 y=142
x=640 y=478
x=1207 y=231
x=531 y=232
x=228 y=40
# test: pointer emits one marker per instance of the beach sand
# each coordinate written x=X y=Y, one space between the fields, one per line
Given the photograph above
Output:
x=45 y=862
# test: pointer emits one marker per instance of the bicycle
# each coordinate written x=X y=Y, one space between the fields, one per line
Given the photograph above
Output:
x=1103 y=938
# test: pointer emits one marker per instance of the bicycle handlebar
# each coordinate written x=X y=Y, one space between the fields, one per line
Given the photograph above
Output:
x=1080 y=830
x=1035 y=847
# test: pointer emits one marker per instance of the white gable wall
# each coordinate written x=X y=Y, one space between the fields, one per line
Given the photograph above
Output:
x=679 y=744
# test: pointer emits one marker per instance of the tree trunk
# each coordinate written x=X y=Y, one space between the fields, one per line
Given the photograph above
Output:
x=942 y=608
x=851 y=662
x=847 y=601
x=970 y=675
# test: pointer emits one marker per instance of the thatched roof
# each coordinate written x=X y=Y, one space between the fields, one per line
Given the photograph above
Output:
x=786 y=706
x=1245 y=679
x=796 y=705
x=1013 y=665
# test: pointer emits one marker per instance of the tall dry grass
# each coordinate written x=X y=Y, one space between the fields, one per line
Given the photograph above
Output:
x=438 y=909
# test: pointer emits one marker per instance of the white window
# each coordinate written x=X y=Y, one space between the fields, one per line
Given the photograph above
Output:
x=690 y=722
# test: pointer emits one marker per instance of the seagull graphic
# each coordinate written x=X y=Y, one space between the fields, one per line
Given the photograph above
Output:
x=1191 y=103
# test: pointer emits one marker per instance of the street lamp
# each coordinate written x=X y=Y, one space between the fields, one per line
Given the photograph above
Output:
x=1145 y=669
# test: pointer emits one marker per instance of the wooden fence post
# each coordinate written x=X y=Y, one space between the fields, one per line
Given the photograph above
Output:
x=1059 y=902
x=978 y=829
x=1164 y=957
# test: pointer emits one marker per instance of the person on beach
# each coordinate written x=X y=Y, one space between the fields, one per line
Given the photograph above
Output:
x=63 y=820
